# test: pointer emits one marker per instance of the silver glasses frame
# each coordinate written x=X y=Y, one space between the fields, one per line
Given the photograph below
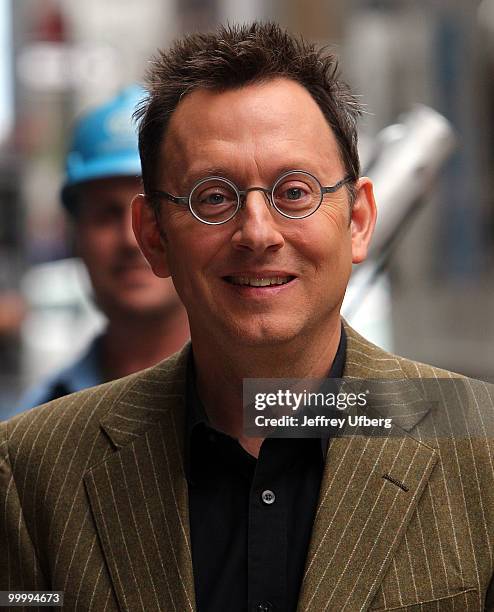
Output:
x=242 y=195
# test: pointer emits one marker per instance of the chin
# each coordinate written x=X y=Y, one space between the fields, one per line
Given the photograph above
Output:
x=135 y=306
x=266 y=334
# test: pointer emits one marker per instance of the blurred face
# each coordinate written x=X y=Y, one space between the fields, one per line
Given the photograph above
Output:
x=260 y=278
x=122 y=280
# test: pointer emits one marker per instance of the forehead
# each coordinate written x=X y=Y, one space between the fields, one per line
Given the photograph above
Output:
x=270 y=125
x=108 y=186
x=94 y=196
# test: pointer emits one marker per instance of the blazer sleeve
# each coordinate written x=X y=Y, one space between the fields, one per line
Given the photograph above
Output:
x=19 y=565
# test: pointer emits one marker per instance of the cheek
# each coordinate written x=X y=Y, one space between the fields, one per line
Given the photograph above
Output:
x=336 y=217
x=97 y=250
x=96 y=239
x=191 y=246
x=190 y=252
x=324 y=240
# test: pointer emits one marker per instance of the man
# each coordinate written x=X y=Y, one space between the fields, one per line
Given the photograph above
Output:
x=146 y=493
x=102 y=176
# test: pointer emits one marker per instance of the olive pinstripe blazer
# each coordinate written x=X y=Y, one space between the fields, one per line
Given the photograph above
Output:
x=93 y=501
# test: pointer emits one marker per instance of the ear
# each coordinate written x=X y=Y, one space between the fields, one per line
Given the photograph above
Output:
x=363 y=219
x=149 y=235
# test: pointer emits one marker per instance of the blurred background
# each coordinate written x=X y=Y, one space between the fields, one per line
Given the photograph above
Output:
x=436 y=296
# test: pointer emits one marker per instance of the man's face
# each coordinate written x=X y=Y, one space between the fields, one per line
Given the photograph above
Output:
x=123 y=283
x=252 y=135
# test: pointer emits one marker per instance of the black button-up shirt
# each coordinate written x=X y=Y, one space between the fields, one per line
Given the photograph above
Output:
x=250 y=520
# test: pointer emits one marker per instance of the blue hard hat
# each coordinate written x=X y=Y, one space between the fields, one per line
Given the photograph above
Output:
x=104 y=143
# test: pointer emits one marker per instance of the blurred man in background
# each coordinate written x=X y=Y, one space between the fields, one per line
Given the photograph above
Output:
x=144 y=312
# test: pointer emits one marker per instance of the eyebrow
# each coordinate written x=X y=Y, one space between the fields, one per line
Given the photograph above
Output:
x=192 y=177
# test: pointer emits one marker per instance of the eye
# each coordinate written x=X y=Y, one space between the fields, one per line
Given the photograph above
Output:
x=297 y=194
x=294 y=193
x=213 y=198
x=103 y=215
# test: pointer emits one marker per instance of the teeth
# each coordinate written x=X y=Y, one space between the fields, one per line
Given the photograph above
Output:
x=259 y=282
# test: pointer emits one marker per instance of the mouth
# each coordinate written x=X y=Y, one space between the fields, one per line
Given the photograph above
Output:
x=132 y=274
x=259 y=281
x=124 y=268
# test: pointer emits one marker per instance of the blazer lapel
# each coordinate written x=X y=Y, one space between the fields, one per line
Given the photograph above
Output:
x=370 y=488
x=138 y=495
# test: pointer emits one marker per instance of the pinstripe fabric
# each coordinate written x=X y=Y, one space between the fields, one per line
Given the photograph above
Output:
x=93 y=500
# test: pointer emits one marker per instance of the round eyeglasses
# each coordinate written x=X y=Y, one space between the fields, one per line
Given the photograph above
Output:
x=215 y=200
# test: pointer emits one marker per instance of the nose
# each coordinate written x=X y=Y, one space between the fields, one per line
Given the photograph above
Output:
x=256 y=228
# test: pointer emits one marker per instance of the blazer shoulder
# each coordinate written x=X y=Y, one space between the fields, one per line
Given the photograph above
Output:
x=466 y=401
x=81 y=413
x=470 y=400
x=473 y=386
x=368 y=353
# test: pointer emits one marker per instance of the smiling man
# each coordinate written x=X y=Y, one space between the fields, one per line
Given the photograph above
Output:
x=147 y=493
x=264 y=271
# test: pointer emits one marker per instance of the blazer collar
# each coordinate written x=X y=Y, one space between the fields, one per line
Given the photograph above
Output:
x=153 y=392
x=138 y=495
x=148 y=398
x=370 y=367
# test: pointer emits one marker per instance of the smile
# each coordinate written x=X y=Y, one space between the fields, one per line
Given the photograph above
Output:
x=258 y=282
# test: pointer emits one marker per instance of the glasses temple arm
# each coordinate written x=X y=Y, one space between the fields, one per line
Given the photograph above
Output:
x=168 y=196
x=336 y=186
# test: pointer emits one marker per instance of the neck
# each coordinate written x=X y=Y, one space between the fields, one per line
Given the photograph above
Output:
x=221 y=369
x=134 y=343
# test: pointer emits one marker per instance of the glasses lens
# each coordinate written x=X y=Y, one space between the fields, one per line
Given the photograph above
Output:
x=214 y=200
x=297 y=194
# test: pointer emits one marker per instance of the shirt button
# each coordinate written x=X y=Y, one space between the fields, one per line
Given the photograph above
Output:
x=264 y=606
x=268 y=497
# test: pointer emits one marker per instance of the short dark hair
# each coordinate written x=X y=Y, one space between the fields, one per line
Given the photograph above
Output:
x=235 y=56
